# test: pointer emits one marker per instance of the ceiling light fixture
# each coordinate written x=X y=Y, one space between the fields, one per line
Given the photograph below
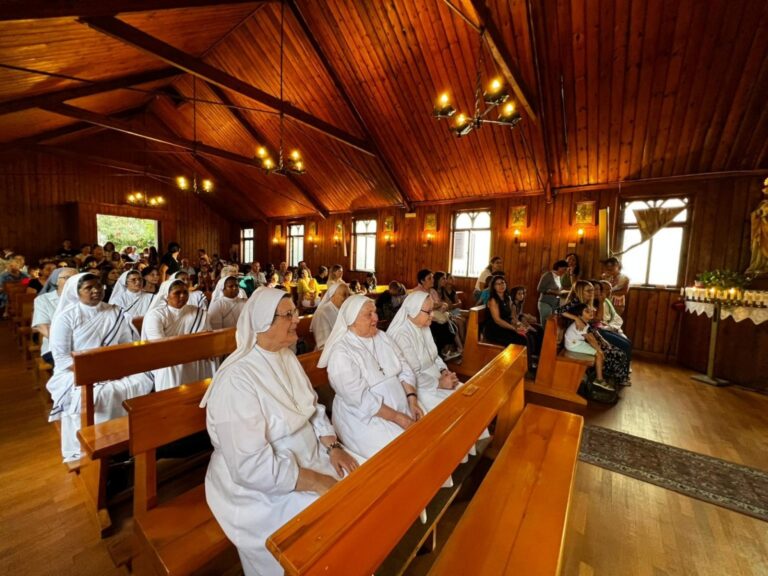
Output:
x=293 y=163
x=495 y=95
x=183 y=182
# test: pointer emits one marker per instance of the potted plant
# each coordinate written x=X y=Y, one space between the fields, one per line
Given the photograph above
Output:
x=721 y=279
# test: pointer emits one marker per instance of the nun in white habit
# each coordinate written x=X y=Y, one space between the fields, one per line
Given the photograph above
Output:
x=227 y=303
x=409 y=331
x=196 y=297
x=274 y=451
x=45 y=307
x=170 y=315
x=128 y=294
x=375 y=388
x=327 y=311
x=83 y=322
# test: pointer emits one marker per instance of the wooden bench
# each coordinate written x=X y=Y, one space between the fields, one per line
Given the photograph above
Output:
x=559 y=374
x=99 y=441
x=354 y=526
x=515 y=523
x=22 y=302
x=477 y=353
x=180 y=536
x=305 y=334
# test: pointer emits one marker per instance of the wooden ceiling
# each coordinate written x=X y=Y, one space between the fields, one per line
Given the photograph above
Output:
x=609 y=90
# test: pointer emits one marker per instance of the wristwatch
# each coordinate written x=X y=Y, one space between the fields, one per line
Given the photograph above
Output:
x=333 y=445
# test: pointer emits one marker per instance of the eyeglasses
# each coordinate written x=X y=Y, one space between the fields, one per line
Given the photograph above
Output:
x=290 y=314
x=428 y=312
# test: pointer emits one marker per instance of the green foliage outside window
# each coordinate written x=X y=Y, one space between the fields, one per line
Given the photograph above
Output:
x=122 y=231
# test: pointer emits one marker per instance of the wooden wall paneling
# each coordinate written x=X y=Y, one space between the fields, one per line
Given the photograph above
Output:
x=578 y=9
x=631 y=84
x=618 y=73
x=602 y=79
x=593 y=84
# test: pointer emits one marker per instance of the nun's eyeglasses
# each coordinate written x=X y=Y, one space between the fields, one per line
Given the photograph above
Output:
x=427 y=312
x=292 y=313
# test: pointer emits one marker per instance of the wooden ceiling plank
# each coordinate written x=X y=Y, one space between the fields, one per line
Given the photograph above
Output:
x=219 y=176
x=197 y=67
x=329 y=69
x=40 y=9
x=478 y=12
x=261 y=138
x=90 y=89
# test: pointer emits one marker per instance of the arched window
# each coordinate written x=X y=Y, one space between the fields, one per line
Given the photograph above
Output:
x=364 y=237
x=295 y=244
x=471 y=244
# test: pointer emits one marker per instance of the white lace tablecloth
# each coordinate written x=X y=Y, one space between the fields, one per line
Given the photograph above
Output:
x=738 y=313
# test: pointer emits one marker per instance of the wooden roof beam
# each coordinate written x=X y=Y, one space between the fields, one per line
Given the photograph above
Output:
x=89 y=89
x=197 y=67
x=477 y=13
x=259 y=137
x=126 y=128
x=39 y=9
x=221 y=177
x=329 y=69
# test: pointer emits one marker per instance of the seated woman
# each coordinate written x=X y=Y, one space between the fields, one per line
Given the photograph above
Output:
x=607 y=321
x=45 y=307
x=82 y=321
x=129 y=296
x=170 y=315
x=534 y=332
x=151 y=278
x=273 y=280
x=375 y=388
x=370 y=282
x=322 y=276
x=485 y=293
x=389 y=302
x=196 y=294
x=410 y=334
x=447 y=293
x=336 y=274
x=356 y=288
x=501 y=327
x=442 y=330
x=307 y=289
x=226 y=303
x=325 y=316
x=274 y=451
x=287 y=280
x=610 y=362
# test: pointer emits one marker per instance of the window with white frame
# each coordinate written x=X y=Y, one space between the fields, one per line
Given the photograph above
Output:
x=657 y=260
x=364 y=242
x=471 y=242
x=295 y=244
x=246 y=244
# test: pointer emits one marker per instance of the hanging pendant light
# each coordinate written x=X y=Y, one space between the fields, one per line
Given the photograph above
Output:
x=291 y=163
x=183 y=182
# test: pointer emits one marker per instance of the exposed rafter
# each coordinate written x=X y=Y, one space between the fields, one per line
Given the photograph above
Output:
x=87 y=90
x=259 y=137
x=476 y=12
x=219 y=176
x=68 y=130
x=39 y=9
x=197 y=67
x=329 y=69
x=127 y=128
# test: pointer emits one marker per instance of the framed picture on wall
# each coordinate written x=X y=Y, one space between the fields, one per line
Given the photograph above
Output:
x=312 y=228
x=585 y=213
x=389 y=224
x=430 y=222
x=518 y=217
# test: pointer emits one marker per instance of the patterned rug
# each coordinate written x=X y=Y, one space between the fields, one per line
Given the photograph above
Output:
x=710 y=479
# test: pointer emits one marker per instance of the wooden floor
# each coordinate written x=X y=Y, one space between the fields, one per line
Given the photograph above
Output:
x=618 y=526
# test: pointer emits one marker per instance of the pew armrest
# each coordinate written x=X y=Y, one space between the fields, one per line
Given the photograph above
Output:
x=105 y=439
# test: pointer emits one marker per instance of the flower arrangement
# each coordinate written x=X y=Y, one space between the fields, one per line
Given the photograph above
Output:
x=722 y=279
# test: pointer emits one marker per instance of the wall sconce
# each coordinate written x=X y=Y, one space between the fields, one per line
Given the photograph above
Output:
x=336 y=240
x=389 y=240
x=428 y=239
x=313 y=241
x=517 y=235
x=275 y=240
x=580 y=234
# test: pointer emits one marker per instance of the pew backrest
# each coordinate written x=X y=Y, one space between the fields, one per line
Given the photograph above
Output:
x=352 y=528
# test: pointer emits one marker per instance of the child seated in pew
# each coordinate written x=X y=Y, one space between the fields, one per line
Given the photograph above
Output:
x=610 y=362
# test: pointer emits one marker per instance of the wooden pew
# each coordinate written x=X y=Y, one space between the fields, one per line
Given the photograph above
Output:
x=180 y=536
x=477 y=353
x=559 y=374
x=100 y=441
x=354 y=526
x=304 y=333
x=515 y=523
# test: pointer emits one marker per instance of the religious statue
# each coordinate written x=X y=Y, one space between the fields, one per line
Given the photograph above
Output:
x=759 y=262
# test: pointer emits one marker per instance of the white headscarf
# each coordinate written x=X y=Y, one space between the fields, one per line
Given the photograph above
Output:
x=330 y=292
x=69 y=295
x=257 y=316
x=411 y=307
x=218 y=292
x=161 y=298
x=347 y=316
x=121 y=286
x=53 y=280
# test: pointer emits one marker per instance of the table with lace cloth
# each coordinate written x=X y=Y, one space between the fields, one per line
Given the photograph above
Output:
x=739 y=313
